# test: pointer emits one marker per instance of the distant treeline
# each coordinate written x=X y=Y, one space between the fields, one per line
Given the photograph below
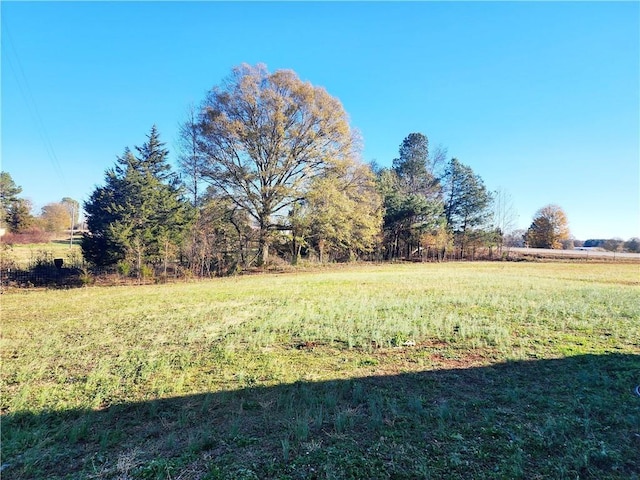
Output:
x=612 y=244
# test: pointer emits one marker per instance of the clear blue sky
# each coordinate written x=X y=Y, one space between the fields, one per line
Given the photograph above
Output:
x=540 y=99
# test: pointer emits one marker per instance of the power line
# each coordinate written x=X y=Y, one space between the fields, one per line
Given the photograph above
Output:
x=32 y=107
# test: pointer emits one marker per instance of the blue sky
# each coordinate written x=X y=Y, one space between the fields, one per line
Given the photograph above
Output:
x=540 y=99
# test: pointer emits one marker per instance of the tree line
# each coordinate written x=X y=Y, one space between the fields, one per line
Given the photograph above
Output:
x=269 y=170
x=21 y=226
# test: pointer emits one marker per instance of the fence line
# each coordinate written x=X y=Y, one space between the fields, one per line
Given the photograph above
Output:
x=49 y=275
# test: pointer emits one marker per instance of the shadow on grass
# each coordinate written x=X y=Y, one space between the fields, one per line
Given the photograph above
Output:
x=45 y=275
x=575 y=417
x=76 y=241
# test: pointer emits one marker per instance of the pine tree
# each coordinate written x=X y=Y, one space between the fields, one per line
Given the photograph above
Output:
x=15 y=212
x=139 y=215
x=467 y=201
x=410 y=192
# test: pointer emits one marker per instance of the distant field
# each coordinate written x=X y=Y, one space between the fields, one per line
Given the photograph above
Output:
x=460 y=370
x=29 y=254
x=582 y=254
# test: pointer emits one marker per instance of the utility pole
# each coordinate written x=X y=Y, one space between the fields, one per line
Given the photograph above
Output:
x=73 y=214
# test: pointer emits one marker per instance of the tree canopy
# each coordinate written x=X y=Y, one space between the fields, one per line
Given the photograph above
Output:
x=55 y=217
x=466 y=202
x=341 y=215
x=466 y=198
x=411 y=195
x=266 y=136
x=15 y=212
x=549 y=228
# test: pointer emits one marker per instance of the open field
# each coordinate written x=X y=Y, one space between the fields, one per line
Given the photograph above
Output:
x=582 y=254
x=460 y=370
x=24 y=256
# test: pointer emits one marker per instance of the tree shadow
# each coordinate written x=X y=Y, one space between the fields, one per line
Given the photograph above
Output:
x=67 y=241
x=575 y=417
x=44 y=275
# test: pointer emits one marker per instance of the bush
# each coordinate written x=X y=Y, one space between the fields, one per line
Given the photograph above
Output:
x=146 y=271
x=7 y=259
x=32 y=235
x=124 y=268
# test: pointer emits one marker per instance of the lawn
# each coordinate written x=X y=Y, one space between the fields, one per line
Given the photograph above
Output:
x=459 y=370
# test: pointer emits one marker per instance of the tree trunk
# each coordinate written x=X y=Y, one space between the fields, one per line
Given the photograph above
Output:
x=166 y=255
x=294 y=250
x=139 y=263
x=263 y=240
x=264 y=251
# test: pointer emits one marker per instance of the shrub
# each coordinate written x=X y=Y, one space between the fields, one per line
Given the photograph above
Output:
x=33 y=235
x=124 y=268
x=146 y=271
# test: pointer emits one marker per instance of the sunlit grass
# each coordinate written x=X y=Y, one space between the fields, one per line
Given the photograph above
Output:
x=96 y=348
x=28 y=255
x=505 y=311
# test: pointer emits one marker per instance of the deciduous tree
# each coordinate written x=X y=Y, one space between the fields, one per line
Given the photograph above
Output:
x=613 y=244
x=632 y=245
x=504 y=214
x=266 y=136
x=341 y=215
x=73 y=207
x=191 y=161
x=216 y=243
x=548 y=229
x=515 y=238
x=55 y=217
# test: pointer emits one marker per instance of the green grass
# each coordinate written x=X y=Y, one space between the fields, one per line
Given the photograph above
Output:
x=28 y=255
x=466 y=370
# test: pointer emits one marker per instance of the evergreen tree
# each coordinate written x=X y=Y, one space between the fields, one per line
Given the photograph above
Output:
x=139 y=215
x=467 y=201
x=412 y=165
x=410 y=193
x=15 y=212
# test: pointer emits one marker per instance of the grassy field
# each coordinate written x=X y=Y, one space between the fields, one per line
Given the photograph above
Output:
x=28 y=255
x=465 y=370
